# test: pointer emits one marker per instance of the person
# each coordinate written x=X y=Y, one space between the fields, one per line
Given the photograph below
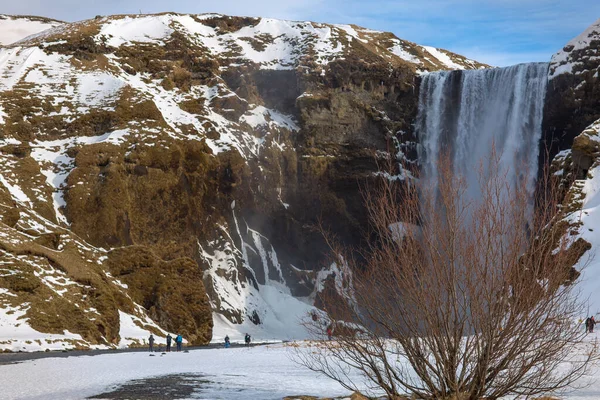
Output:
x=178 y=342
x=247 y=340
x=329 y=332
x=227 y=342
x=587 y=324
x=151 y=342
x=592 y=323
x=169 y=339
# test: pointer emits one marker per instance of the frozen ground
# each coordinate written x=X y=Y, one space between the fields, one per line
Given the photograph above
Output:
x=263 y=372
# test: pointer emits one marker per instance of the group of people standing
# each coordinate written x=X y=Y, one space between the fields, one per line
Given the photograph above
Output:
x=247 y=340
x=178 y=342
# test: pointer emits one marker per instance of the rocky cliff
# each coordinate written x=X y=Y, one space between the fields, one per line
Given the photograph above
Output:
x=573 y=96
x=165 y=173
x=571 y=130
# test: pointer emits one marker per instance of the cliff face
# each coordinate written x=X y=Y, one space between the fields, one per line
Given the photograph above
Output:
x=573 y=97
x=571 y=131
x=161 y=172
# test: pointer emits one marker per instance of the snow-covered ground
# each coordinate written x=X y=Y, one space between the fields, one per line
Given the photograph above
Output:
x=264 y=372
x=13 y=29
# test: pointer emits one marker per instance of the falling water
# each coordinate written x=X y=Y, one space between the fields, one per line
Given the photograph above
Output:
x=469 y=112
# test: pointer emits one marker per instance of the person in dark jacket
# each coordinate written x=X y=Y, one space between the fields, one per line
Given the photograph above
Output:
x=227 y=342
x=151 y=342
x=178 y=342
x=169 y=339
x=592 y=323
x=247 y=340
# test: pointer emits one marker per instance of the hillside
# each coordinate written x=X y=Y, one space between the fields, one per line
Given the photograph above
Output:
x=166 y=172
x=16 y=27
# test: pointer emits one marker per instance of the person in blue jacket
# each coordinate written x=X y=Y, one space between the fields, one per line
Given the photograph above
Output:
x=178 y=342
x=227 y=342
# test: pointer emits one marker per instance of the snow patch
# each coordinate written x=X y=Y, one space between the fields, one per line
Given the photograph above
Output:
x=129 y=30
x=13 y=324
x=401 y=52
x=13 y=29
x=443 y=58
x=16 y=192
x=132 y=330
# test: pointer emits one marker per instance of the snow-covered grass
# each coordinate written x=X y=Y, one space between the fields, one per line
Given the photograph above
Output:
x=17 y=335
x=401 y=52
x=275 y=44
x=56 y=165
x=279 y=51
x=443 y=58
x=141 y=30
x=13 y=29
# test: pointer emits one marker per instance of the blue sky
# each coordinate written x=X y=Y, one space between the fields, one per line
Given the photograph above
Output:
x=498 y=32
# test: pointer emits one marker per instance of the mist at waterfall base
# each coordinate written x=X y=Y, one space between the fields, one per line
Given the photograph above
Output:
x=481 y=125
x=464 y=115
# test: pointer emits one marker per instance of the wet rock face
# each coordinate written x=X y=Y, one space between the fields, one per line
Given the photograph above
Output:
x=573 y=96
x=572 y=103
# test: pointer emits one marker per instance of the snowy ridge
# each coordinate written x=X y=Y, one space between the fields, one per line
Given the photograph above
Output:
x=573 y=57
x=15 y=28
x=271 y=43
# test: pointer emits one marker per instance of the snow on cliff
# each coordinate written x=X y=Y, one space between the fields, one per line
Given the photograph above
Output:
x=578 y=53
x=54 y=103
x=15 y=28
x=589 y=218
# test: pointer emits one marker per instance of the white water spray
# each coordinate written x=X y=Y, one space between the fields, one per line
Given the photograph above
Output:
x=469 y=112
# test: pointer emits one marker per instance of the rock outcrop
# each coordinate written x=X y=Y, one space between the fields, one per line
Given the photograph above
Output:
x=573 y=97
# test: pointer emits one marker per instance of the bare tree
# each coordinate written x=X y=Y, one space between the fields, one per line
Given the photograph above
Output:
x=454 y=297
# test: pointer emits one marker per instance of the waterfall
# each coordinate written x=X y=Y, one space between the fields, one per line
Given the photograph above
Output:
x=468 y=112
